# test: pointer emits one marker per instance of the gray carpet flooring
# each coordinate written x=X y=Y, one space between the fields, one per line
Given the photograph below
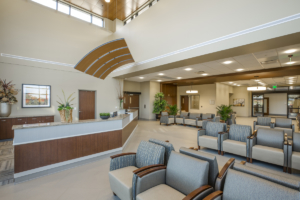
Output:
x=6 y=162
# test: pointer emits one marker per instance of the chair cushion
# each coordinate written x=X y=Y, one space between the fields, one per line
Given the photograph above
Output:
x=171 y=120
x=270 y=137
x=268 y=154
x=200 y=123
x=179 y=120
x=296 y=160
x=194 y=115
x=264 y=121
x=239 y=132
x=164 y=113
x=149 y=154
x=283 y=123
x=289 y=131
x=184 y=114
x=162 y=192
x=208 y=141
x=213 y=128
x=206 y=116
x=260 y=126
x=185 y=173
x=235 y=147
x=121 y=182
x=190 y=122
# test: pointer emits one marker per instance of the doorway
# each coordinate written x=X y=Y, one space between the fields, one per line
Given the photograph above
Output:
x=87 y=105
x=131 y=101
x=266 y=105
x=184 y=103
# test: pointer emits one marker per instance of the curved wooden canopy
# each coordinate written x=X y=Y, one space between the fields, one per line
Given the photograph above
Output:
x=104 y=58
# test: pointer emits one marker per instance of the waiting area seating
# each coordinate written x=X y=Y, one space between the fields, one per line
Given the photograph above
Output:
x=167 y=119
x=294 y=152
x=264 y=122
x=286 y=125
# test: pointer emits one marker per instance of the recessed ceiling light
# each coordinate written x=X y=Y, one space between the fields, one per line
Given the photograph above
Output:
x=239 y=70
x=234 y=84
x=205 y=74
x=107 y=1
x=188 y=69
x=230 y=82
x=256 y=80
x=227 y=62
x=161 y=74
x=238 y=85
x=289 y=63
x=290 y=51
x=178 y=77
x=291 y=77
x=159 y=80
x=141 y=77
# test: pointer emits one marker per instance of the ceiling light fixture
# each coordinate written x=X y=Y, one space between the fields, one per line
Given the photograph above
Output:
x=290 y=51
x=159 y=80
x=234 y=84
x=258 y=88
x=256 y=80
x=227 y=62
x=291 y=62
x=205 y=74
x=239 y=70
x=188 y=69
x=141 y=77
x=161 y=74
x=238 y=85
x=230 y=82
x=179 y=78
x=107 y=1
x=192 y=91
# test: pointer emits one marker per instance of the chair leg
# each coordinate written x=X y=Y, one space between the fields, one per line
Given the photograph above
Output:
x=159 y=123
x=114 y=194
x=247 y=159
x=222 y=153
x=198 y=147
x=289 y=170
x=219 y=152
x=184 y=124
x=284 y=169
x=250 y=160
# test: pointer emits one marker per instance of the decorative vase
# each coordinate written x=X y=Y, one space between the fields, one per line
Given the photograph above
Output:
x=5 y=109
x=66 y=116
x=121 y=104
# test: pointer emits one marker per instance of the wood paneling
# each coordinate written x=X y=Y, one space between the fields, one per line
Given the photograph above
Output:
x=5 y=129
x=19 y=121
x=170 y=92
x=128 y=129
x=39 y=154
x=86 y=105
x=47 y=119
x=34 y=120
x=184 y=101
x=115 y=67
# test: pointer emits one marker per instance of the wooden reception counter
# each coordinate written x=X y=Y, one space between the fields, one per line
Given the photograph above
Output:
x=45 y=148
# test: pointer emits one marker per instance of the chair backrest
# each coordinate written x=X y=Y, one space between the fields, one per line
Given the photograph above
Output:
x=164 y=114
x=264 y=121
x=270 y=137
x=168 y=148
x=216 y=119
x=239 y=185
x=184 y=114
x=207 y=115
x=296 y=142
x=213 y=128
x=195 y=115
x=185 y=173
x=149 y=154
x=284 y=181
x=211 y=159
x=239 y=132
x=284 y=123
x=232 y=119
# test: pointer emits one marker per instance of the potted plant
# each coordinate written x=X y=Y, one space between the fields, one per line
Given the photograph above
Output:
x=172 y=110
x=65 y=109
x=104 y=115
x=159 y=104
x=7 y=97
x=224 y=112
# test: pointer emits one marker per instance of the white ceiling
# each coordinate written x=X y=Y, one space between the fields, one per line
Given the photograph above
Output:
x=246 y=62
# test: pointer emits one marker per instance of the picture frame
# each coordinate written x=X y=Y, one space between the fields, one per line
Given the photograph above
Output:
x=36 y=96
x=239 y=102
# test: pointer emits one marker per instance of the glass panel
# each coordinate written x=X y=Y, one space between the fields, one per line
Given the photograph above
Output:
x=143 y=10
x=128 y=21
x=48 y=3
x=80 y=14
x=195 y=102
x=98 y=21
x=258 y=104
x=63 y=8
x=35 y=96
x=293 y=105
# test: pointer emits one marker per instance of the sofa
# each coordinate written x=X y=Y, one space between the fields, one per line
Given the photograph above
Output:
x=209 y=137
x=184 y=177
x=235 y=141
x=179 y=119
x=193 y=120
x=167 y=119
x=269 y=145
x=284 y=124
x=264 y=122
x=294 y=152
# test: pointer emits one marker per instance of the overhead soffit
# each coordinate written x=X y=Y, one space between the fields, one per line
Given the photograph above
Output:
x=119 y=9
x=102 y=60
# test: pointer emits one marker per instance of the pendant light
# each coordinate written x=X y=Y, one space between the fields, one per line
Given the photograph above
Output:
x=192 y=91
x=257 y=88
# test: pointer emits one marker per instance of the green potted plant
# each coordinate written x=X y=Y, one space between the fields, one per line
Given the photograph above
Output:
x=65 y=109
x=172 y=110
x=224 y=112
x=159 y=104
x=104 y=115
x=7 y=97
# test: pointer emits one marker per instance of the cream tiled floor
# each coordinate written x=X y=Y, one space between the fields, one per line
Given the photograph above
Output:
x=90 y=181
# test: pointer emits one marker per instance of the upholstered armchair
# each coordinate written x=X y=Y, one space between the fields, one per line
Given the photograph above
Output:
x=264 y=122
x=294 y=152
x=286 y=125
x=183 y=178
x=193 y=119
x=179 y=119
x=232 y=119
x=269 y=145
x=244 y=182
x=167 y=119
x=168 y=148
x=124 y=167
x=209 y=137
x=235 y=140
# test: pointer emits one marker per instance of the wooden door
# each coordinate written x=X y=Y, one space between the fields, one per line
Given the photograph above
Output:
x=6 y=131
x=86 y=105
x=134 y=101
x=184 y=101
x=266 y=106
x=126 y=101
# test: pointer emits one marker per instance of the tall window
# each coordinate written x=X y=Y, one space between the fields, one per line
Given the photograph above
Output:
x=48 y=3
x=80 y=15
x=64 y=8
x=97 y=21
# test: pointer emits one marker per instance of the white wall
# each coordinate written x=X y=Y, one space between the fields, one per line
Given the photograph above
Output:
x=131 y=86
x=154 y=88
x=241 y=93
x=278 y=103
x=148 y=90
x=222 y=94
x=206 y=92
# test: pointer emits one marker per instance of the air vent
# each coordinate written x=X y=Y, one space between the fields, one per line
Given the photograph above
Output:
x=269 y=62
x=200 y=72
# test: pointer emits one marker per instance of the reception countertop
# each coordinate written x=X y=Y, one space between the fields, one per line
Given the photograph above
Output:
x=21 y=116
x=25 y=126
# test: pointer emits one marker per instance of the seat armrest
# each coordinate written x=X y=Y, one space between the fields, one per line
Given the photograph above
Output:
x=146 y=168
x=198 y=191
x=122 y=160
x=121 y=154
x=222 y=133
x=225 y=168
x=272 y=125
x=254 y=133
x=214 y=195
x=151 y=170
x=290 y=152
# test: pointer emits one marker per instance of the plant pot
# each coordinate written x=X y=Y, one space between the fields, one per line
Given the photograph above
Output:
x=5 y=109
x=104 y=117
x=66 y=116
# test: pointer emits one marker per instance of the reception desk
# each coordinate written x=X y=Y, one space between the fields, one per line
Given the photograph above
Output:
x=45 y=148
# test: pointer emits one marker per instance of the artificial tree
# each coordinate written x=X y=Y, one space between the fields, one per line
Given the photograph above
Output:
x=172 y=109
x=159 y=104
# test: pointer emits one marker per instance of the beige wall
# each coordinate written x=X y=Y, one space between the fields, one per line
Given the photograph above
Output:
x=222 y=94
x=154 y=88
x=241 y=93
x=206 y=92
x=278 y=103
x=131 y=86
x=148 y=90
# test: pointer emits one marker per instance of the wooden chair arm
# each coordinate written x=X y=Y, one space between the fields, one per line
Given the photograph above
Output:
x=213 y=195
x=290 y=143
x=222 y=133
x=196 y=192
x=151 y=170
x=225 y=167
x=146 y=168
x=121 y=154
x=243 y=162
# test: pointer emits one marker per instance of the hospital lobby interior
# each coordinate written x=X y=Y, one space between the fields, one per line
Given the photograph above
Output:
x=149 y=100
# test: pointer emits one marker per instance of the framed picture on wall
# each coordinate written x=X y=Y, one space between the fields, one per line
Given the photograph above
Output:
x=239 y=102
x=36 y=96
